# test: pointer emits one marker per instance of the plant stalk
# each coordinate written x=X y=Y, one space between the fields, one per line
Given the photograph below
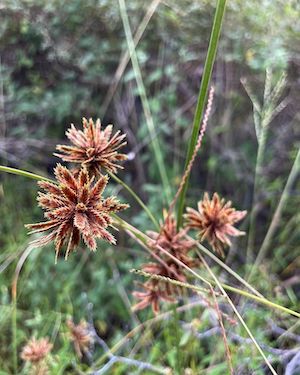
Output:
x=202 y=97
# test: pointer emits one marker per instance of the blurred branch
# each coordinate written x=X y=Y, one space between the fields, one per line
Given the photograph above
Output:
x=113 y=358
x=284 y=354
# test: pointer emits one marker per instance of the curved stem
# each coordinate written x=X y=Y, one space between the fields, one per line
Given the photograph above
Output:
x=137 y=198
x=20 y=172
x=227 y=268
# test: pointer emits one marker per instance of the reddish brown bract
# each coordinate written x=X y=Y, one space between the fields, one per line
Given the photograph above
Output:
x=94 y=148
x=75 y=208
x=36 y=350
x=214 y=221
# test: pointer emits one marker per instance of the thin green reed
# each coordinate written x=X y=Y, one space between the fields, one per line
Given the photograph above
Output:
x=146 y=107
x=202 y=97
x=23 y=173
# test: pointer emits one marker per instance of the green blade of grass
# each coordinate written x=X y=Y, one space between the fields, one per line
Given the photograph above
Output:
x=207 y=72
x=145 y=104
x=23 y=173
x=126 y=57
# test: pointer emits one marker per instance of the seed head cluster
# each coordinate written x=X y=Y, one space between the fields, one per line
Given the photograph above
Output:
x=93 y=147
x=75 y=209
x=175 y=243
x=214 y=221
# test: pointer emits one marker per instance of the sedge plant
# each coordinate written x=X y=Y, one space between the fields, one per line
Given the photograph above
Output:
x=77 y=211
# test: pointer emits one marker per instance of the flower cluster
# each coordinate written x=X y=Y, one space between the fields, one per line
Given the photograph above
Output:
x=214 y=221
x=175 y=243
x=76 y=209
x=93 y=147
x=74 y=206
x=35 y=350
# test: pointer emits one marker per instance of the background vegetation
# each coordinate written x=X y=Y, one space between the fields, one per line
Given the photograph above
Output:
x=58 y=63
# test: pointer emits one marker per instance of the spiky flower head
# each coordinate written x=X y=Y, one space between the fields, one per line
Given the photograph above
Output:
x=74 y=209
x=94 y=147
x=214 y=221
x=174 y=242
x=81 y=337
x=36 y=351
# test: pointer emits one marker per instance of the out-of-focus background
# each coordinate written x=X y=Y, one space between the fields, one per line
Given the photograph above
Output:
x=60 y=61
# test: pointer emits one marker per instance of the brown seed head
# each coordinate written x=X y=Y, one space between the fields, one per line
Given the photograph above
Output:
x=74 y=209
x=177 y=245
x=94 y=147
x=80 y=336
x=172 y=241
x=214 y=221
x=36 y=351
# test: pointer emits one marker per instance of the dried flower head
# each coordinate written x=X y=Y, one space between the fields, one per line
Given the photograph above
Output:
x=175 y=242
x=179 y=247
x=80 y=336
x=172 y=241
x=154 y=293
x=36 y=351
x=94 y=148
x=75 y=208
x=214 y=220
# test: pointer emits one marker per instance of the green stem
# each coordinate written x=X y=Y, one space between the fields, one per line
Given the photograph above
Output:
x=137 y=198
x=207 y=72
x=145 y=104
x=262 y=301
x=257 y=183
x=228 y=269
x=20 y=172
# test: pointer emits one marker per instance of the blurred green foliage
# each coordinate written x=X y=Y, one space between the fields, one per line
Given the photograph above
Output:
x=58 y=61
